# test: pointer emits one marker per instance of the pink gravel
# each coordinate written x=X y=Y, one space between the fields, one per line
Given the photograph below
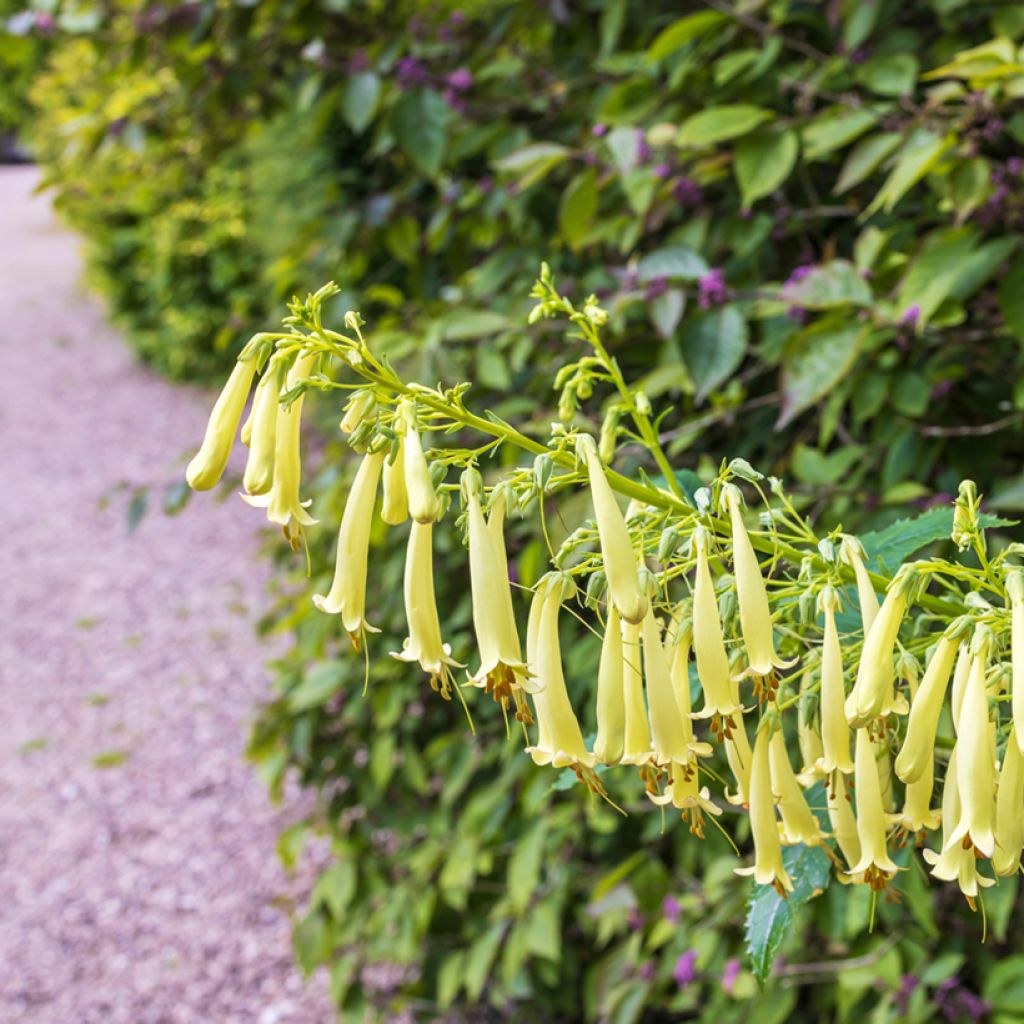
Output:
x=146 y=891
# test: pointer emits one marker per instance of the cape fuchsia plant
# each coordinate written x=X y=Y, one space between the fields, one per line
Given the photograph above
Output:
x=758 y=603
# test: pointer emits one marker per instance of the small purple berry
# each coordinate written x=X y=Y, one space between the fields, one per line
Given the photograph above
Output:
x=685 y=972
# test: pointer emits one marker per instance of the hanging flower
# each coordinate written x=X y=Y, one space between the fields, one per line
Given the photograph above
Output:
x=259 y=467
x=874 y=862
x=620 y=561
x=502 y=671
x=960 y=676
x=207 y=467
x=395 y=508
x=799 y=825
x=680 y=676
x=559 y=742
x=358 y=407
x=918 y=751
x=851 y=551
x=740 y=758
x=347 y=596
x=918 y=813
x=976 y=768
x=637 y=739
x=721 y=695
x=874 y=693
x=420 y=488
x=671 y=745
x=755 y=614
x=282 y=501
x=424 y=645
x=835 y=732
x=611 y=707
x=1015 y=592
x=686 y=794
x=808 y=729
x=844 y=823
x=1009 y=819
x=768 y=868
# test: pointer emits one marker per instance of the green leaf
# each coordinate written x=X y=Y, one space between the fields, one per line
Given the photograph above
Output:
x=834 y=284
x=815 y=361
x=1011 y=297
x=834 y=129
x=770 y=917
x=524 y=867
x=420 y=121
x=713 y=345
x=683 y=31
x=533 y=162
x=465 y=324
x=719 y=124
x=481 y=957
x=764 y=160
x=336 y=887
x=677 y=263
x=176 y=497
x=891 y=74
x=312 y=941
x=136 y=508
x=917 y=156
x=811 y=466
x=317 y=686
x=359 y=100
x=935 y=269
x=865 y=158
x=666 y=310
x=969 y=185
x=1004 y=986
x=578 y=207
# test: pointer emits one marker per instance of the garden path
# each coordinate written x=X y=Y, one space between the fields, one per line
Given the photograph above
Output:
x=138 y=878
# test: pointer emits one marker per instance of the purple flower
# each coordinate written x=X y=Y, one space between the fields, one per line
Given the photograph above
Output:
x=910 y=316
x=730 y=973
x=685 y=972
x=671 y=907
x=687 y=192
x=599 y=131
x=992 y=129
x=643 y=151
x=461 y=80
x=711 y=290
x=411 y=72
x=798 y=274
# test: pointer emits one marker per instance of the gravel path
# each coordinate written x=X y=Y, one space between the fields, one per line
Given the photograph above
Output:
x=138 y=879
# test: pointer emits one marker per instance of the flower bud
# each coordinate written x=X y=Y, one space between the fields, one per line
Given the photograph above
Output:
x=259 y=467
x=395 y=508
x=918 y=750
x=835 y=732
x=852 y=552
x=419 y=486
x=207 y=467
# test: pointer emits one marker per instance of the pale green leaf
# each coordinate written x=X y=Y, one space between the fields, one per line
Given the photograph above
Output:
x=359 y=100
x=683 y=31
x=763 y=161
x=816 y=360
x=865 y=158
x=719 y=124
x=713 y=345
x=578 y=207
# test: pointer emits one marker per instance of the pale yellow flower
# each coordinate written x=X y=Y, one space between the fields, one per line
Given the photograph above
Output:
x=918 y=812
x=852 y=552
x=671 y=743
x=637 y=748
x=808 y=730
x=620 y=560
x=1015 y=592
x=347 y=596
x=755 y=613
x=282 y=502
x=721 y=695
x=680 y=674
x=875 y=862
x=844 y=822
x=961 y=674
x=395 y=507
x=686 y=794
x=259 y=467
x=835 y=732
x=207 y=467
x=740 y=757
x=873 y=694
x=611 y=706
x=976 y=767
x=799 y=825
x=419 y=487
x=560 y=741
x=424 y=644
x=768 y=868
x=1009 y=816
x=356 y=410
x=918 y=751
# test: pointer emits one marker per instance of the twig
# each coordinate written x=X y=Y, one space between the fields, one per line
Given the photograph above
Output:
x=983 y=430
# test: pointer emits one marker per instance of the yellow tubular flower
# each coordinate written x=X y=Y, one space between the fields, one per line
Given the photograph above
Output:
x=419 y=487
x=207 y=467
x=347 y=595
x=960 y=676
x=667 y=729
x=1015 y=591
x=918 y=751
x=835 y=732
x=851 y=552
x=620 y=561
x=874 y=861
x=686 y=794
x=873 y=693
x=355 y=411
x=808 y=730
x=637 y=741
x=955 y=862
x=755 y=613
x=709 y=646
x=560 y=741
x=976 y=769
x=740 y=757
x=844 y=823
x=395 y=508
x=918 y=813
x=680 y=674
x=259 y=467
x=799 y=825
x=1009 y=819
x=611 y=707
x=424 y=645
x=502 y=671
x=282 y=501
x=768 y=868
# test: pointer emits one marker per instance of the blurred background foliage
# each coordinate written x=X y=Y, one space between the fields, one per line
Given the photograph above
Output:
x=805 y=220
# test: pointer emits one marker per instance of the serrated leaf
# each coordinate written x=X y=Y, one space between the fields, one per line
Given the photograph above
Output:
x=420 y=122
x=683 y=31
x=712 y=345
x=815 y=360
x=359 y=100
x=764 y=160
x=719 y=124
x=578 y=206
x=770 y=917
x=677 y=263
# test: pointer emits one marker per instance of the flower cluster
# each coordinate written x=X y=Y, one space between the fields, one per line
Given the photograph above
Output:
x=716 y=630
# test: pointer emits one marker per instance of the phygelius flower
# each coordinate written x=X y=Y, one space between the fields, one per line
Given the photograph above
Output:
x=259 y=467
x=208 y=464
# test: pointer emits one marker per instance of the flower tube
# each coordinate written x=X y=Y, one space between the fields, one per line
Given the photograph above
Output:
x=419 y=487
x=208 y=464
x=680 y=674
x=844 y=823
x=259 y=467
x=686 y=794
x=918 y=813
x=808 y=729
x=357 y=409
x=740 y=758
x=1009 y=819
x=637 y=739
x=671 y=745
x=799 y=825
x=611 y=705
x=835 y=732
x=347 y=595
x=874 y=862
x=852 y=552
x=620 y=561
x=395 y=508
x=768 y=868
x=1015 y=592
x=918 y=752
